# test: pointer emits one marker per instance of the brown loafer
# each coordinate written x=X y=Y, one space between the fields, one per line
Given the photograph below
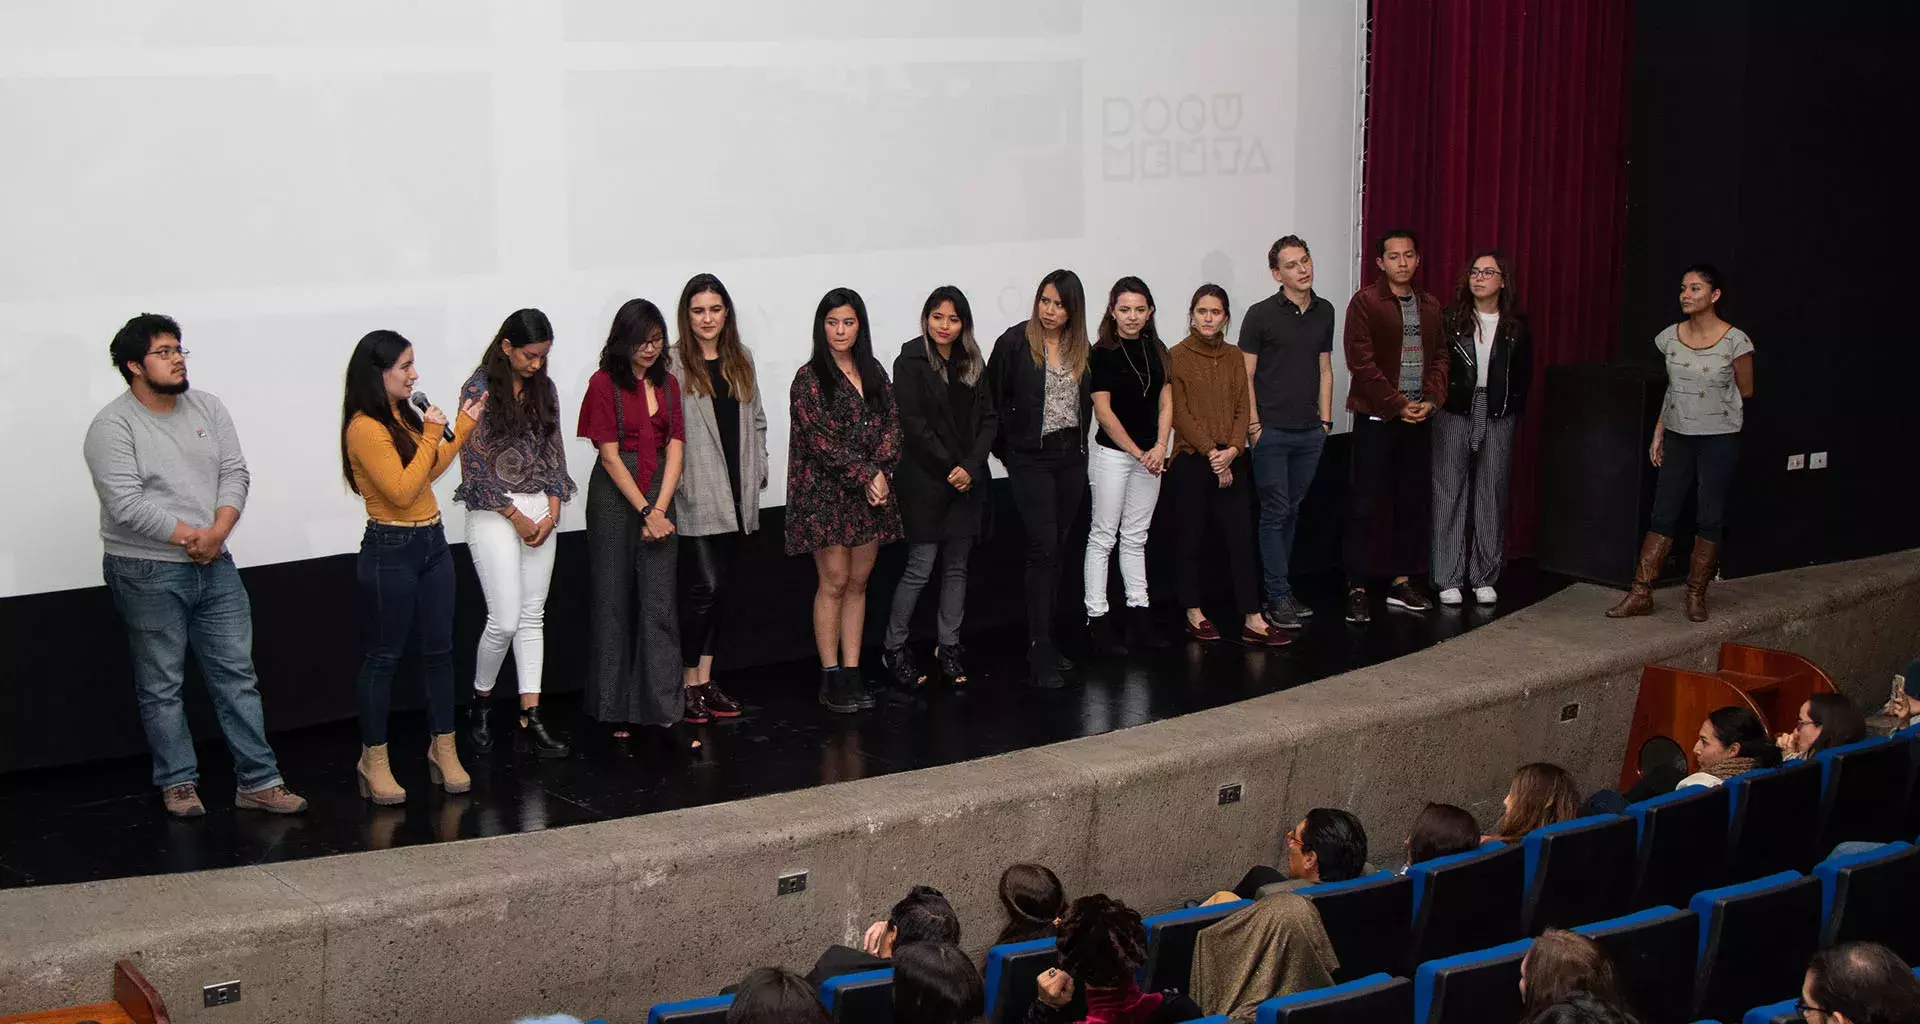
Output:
x=1268 y=637
x=1205 y=630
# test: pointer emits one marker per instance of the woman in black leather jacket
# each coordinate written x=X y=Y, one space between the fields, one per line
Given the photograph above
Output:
x=1489 y=364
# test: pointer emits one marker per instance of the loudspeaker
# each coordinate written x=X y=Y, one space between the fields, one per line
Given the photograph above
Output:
x=1596 y=483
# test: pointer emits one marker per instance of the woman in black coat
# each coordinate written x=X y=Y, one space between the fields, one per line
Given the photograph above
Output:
x=947 y=425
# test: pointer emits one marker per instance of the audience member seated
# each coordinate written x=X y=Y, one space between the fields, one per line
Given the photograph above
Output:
x=1732 y=741
x=923 y=916
x=1441 y=830
x=1562 y=965
x=1859 y=983
x=935 y=983
x=1034 y=900
x=1275 y=947
x=769 y=995
x=1540 y=794
x=1826 y=720
x=1582 y=1008
x=1102 y=945
x=1329 y=845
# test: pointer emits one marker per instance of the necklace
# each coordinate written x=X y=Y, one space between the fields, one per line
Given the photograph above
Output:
x=1143 y=374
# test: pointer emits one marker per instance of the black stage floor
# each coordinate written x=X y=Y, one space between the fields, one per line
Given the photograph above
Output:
x=104 y=820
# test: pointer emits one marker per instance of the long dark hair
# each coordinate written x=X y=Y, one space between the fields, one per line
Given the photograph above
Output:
x=1033 y=899
x=1459 y=314
x=1110 y=328
x=366 y=395
x=1735 y=724
x=632 y=324
x=965 y=353
x=537 y=410
x=935 y=983
x=1543 y=794
x=873 y=379
x=1073 y=335
x=1839 y=720
x=735 y=367
x=1102 y=941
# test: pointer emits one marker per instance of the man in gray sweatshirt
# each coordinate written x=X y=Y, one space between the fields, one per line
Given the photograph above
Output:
x=166 y=463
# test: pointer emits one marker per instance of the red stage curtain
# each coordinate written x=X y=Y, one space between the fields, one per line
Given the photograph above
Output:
x=1502 y=123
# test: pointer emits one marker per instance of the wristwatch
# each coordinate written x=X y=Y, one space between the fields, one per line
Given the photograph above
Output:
x=645 y=512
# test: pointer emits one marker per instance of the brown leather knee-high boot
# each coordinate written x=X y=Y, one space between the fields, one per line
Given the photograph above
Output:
x=1639 y=599
x=1700 y=570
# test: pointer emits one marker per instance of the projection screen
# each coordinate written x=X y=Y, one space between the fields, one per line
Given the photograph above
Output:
x=283 y=176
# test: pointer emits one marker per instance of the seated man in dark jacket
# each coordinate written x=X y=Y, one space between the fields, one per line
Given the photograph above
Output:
x=1328 y=845
x=923 y=916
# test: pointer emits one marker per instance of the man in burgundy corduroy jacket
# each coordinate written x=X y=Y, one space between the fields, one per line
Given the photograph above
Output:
x=1398 y=364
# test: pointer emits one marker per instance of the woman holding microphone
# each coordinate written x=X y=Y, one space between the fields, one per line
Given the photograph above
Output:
x=391 y=455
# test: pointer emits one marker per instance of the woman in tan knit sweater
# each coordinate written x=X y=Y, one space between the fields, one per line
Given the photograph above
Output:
x=1208 y=475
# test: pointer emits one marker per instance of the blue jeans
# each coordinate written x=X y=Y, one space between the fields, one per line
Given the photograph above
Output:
x=406 y=585
x=168 y=607
x=1284 y=462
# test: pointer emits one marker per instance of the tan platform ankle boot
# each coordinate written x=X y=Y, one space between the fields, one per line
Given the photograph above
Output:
x=376 y=777
x=443 y=765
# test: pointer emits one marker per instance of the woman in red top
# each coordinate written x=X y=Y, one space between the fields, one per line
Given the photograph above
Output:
x=840 y=503
x=632 y=416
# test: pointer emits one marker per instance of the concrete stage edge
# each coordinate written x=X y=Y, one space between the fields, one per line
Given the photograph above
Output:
x=606 y=918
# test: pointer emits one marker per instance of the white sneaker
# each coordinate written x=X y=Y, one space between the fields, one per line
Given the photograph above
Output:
x=1450 y=596
x=1485 y=595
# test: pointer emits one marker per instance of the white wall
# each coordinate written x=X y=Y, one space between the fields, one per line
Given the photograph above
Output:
x=283 y=176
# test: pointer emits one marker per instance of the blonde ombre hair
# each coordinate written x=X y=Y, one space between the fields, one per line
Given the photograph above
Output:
x=1074 y=349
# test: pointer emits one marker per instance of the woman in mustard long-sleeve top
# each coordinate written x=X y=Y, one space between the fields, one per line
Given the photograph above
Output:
x=391 y=455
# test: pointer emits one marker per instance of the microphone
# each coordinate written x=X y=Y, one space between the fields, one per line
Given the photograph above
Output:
x=420 y=402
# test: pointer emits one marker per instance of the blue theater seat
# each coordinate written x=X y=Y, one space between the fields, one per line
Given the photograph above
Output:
x=1653 y=954
x=1367 y=920
x=1861 y=786
x=1682 y=846
x=1482 y=987
x=1773 y=823
x=1873 y=897
x=1755 y=941
x=1376 y=997
x=1012 y=973
x=705 y=1010
x=1465 y=902
x=1783 y=1012
x=862 y=998
x=1169 y=965
x=1577 y=871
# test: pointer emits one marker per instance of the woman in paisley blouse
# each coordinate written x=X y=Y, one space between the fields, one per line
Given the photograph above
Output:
x=513 y=477
x=1696 y=441
x=840 y=501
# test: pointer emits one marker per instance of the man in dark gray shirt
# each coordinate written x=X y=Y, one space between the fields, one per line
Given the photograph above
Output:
x=167 y=466
x=1288 y=341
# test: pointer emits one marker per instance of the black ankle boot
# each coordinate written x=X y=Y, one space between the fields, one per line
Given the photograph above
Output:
x=1141 y=632
x=857 y=688
x=834 y=695
x=1043 y=669
x=479 y=729
x=1103 y=637
x=534 y=737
